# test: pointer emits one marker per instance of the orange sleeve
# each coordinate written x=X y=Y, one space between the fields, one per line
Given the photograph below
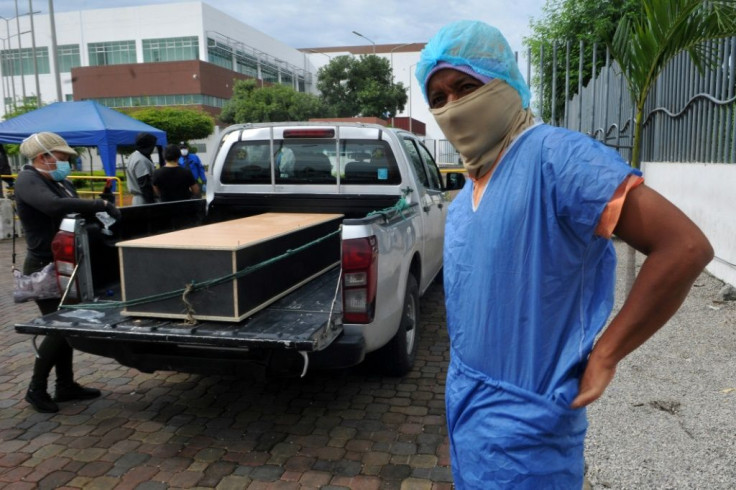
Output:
x=610 y=215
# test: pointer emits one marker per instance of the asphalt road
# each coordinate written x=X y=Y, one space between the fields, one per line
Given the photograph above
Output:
x=667 y=421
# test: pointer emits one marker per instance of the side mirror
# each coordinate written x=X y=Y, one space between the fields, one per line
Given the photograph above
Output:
x=454 y=181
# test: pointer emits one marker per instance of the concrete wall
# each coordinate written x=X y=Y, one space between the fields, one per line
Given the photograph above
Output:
x=706 y=192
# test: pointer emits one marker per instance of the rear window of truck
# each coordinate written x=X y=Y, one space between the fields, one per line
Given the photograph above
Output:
x=309 y=161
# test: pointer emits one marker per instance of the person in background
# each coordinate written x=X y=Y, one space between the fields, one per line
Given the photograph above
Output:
x=43 y=196
x=5 y=170
x=139 y=170
x=529 y=268
x=191 y=161
x=173 y=182
x=285 y=161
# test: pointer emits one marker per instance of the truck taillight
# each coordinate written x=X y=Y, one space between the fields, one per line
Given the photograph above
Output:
x=309 y=133
x=65 y=259
x=360 y=269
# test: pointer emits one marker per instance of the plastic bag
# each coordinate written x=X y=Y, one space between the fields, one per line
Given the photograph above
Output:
x=38 y=285
x=106 y=220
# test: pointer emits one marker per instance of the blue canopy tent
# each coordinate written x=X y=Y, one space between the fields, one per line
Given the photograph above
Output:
x=84 y=123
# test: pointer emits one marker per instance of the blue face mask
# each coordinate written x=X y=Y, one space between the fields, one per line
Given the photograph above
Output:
x=62 y=171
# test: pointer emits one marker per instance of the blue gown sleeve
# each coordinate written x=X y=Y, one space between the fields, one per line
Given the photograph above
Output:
x=582 y=175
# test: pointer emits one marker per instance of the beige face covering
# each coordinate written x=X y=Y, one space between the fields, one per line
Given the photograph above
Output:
x=482 y=124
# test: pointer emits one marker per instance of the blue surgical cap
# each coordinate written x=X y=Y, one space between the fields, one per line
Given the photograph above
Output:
x=477 y=45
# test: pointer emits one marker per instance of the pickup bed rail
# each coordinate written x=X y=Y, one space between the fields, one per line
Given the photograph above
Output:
x=285 y=325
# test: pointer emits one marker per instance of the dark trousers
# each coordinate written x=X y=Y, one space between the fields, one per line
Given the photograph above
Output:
x=54 y=350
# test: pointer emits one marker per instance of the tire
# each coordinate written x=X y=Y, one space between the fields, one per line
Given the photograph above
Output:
x=397 y=357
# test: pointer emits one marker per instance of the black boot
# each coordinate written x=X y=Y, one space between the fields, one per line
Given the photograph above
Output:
x=41 y=401
x=73 y=391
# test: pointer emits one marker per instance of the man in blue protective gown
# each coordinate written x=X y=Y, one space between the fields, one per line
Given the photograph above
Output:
x=193 y=163
x=529 y=269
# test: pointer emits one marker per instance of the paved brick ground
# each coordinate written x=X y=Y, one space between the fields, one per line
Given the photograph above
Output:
x=333 y=430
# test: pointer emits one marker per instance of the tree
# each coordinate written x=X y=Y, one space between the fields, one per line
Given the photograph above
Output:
x=178 y=123
x=589 y=21
x=361 y=87
x=18 y=110
x=644 y=45
x=271 y=103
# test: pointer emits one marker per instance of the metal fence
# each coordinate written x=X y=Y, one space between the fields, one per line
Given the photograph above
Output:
x=689 y=116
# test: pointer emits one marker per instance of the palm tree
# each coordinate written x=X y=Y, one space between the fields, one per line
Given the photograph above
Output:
x=642 y=46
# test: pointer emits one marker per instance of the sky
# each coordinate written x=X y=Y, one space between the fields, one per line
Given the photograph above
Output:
x=322 y=23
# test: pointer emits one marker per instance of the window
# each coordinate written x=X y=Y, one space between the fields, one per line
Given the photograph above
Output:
x=416 y=162
x=239 y=57
x=42 y=61
x=67 y=56
x=219 y=54
x=170 y=49
x=269 y=73
x=10 y=65
x=246 y=64
x=162 y=100
x=17 y=62
x=112 y=53
x=308 y=161
x=368 y=162
x=435 y=179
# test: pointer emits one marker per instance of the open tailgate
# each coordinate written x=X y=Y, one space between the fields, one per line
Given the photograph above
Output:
x=306 y=319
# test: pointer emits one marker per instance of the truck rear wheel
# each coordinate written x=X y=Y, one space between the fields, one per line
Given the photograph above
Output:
x=397 y=357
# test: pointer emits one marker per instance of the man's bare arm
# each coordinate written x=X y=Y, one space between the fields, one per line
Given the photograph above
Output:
x=677 y=252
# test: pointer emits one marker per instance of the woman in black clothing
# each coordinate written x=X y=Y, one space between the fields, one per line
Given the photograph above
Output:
x=173 y=182
x=43 y=196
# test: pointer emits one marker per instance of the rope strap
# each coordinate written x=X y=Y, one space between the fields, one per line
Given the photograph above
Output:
x=194 y=286
x=397 y=209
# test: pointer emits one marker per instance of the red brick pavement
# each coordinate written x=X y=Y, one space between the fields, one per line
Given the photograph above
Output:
x=334 y=430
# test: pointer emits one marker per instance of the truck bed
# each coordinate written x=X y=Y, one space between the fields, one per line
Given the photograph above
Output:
x=286 y=325
x=384 y=184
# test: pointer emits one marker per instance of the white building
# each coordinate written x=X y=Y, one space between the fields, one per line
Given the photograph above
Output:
x=184 y=54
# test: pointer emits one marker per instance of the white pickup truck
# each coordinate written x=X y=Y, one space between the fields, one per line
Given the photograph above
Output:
x=383 y=181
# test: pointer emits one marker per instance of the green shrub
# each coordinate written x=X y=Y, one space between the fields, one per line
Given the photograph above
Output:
x=84 y=184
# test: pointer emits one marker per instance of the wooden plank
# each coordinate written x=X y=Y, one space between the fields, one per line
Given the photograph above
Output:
x=234 y=234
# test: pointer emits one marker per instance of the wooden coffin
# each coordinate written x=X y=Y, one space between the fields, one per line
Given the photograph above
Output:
x=288 y=248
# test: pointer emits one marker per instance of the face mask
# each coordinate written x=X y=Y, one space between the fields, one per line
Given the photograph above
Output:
x=184 y=153
x=62 y=171
x=482 y=124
